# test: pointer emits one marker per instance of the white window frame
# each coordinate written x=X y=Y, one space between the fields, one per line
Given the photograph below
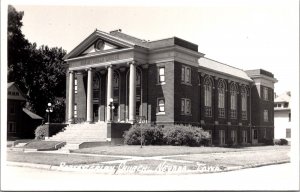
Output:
x=265 y=93
x=244 y=136
x=266 y=115
x=233 y=136
x=75 y=85
x=159 y=106
x=75 y=110
x=244 y=103
x=186 y=77
x=233 y=102
x=161 y=76
x=222 y=137
x=208 y=87
x=186 y=109
x=221 y=99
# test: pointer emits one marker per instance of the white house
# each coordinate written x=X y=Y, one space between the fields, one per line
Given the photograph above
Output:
x=282 y=116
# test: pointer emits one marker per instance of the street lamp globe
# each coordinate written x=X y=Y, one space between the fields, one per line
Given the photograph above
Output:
x=49 y=104
x=111 y=100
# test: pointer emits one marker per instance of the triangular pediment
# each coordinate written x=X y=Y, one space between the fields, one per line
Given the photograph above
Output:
x=98 y=41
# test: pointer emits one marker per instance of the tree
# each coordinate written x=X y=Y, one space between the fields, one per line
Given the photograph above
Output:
x=39 y=72
x=17 y=47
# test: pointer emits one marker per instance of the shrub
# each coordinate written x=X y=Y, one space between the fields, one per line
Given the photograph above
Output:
x=280 y=142
x=151 y=135
x=268 y=141
x=41 y=132
x=283 y=141
x=185 y=135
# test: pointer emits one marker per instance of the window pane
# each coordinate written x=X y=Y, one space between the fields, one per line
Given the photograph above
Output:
x=161 y=78
x=188 y=75
x=162 y=71
x=182 y=74
x=188 y=106
x=182 y=106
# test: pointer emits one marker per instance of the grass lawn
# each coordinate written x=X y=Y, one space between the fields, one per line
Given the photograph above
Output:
x=41 y=145
x=147 y=151
x=55 y=159
x=241 y=158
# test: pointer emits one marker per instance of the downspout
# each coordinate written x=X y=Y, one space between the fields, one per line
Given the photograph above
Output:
x=250 y=115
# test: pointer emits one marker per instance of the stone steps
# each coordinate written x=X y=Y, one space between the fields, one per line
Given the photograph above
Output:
x=79 y=133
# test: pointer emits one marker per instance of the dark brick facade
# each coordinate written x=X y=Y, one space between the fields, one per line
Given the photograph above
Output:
x=173 y=54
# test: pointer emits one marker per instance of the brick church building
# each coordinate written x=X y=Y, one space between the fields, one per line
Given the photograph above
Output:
x=114 y=79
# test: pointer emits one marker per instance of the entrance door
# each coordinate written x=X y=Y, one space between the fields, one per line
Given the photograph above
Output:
x=254 y=136
x=95 y=111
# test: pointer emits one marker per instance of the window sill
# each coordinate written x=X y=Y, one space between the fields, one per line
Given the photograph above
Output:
x=161 y=113
x=163 y=83
x=186 y=114
x=184 y=83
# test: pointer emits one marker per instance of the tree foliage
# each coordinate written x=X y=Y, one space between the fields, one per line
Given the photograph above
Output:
x=38 y=71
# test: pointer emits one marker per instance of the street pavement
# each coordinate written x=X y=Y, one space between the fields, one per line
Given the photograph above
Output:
x=273 y=177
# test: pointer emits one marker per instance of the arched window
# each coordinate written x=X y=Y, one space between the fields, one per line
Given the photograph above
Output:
x=221 y=98
x=244 y=102
x=233 y=101
x=208 y=96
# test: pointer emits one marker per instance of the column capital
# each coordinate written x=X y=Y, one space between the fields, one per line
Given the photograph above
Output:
x=89 y=69
x=132 y=63
x=71 y=71
x=108 y=66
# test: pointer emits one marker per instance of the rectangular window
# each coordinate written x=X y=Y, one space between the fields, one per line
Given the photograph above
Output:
x=222 y=137
x=161 y=105
x=244 y=106
x=12 y=108
x=266 y=115
x=265 y=133
x=279 y=105
x=185 y=74
x=288 y=133
x=75 y=110
x=161 y=74
x=188 y=75
x=255 y=134
x=286 y=105
x=234 y=136
x=233 y=105
x=75 y=85
x=289 y=117
x=182 y=74
x=186 y=106
x=221 y=104
x=244 y=135
x=265 y=93
x=11 y=128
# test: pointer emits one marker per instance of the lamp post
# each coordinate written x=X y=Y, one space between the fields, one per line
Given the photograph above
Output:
x=112 y=107
x=49 y=110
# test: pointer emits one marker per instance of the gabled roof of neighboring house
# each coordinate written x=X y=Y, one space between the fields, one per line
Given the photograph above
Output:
x=285 y=97
x=11 y=86
x=223 y=68
x=31 y=114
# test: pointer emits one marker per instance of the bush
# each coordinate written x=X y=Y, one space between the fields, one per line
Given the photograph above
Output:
x=41 y=132
x=170 y=135
x=152 y=135
x=185 y=135
x=284 y=141
x=268 y=141
x=280 y=142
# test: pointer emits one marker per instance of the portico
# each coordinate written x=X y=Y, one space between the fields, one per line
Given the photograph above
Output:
x=110 y=74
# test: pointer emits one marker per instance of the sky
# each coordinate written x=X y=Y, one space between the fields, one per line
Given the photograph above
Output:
x=244 y=34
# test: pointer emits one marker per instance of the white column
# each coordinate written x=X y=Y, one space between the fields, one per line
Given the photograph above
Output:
x=89 y=100
x=71 y=97
x=109 y=92
x=132 y=92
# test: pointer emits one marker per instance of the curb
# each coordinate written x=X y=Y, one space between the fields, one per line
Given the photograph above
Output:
x=59 y=168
